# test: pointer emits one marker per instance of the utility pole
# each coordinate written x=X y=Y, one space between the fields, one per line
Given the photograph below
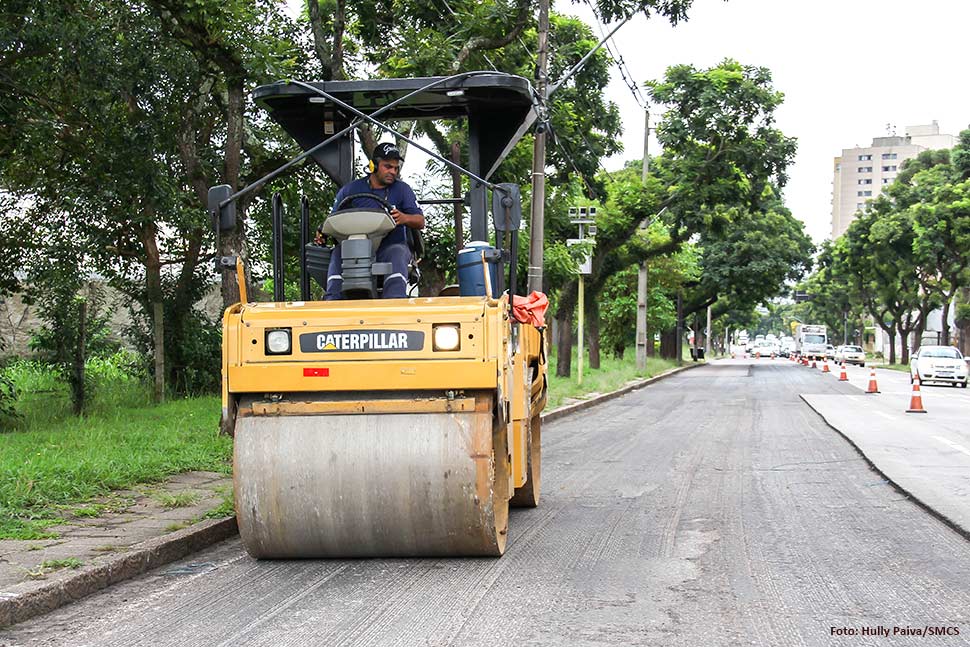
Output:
x=456 y=190
x=707 y=334
x=680 y=328
x=642 y=332
x=537 y=222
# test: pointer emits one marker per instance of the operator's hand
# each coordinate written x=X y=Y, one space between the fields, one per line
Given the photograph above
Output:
x=398 y=217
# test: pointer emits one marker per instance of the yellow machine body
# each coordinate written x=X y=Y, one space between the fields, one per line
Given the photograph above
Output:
x=366 y=439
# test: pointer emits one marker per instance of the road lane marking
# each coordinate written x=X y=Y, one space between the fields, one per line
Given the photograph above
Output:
x=885 y=415
x=956 y=446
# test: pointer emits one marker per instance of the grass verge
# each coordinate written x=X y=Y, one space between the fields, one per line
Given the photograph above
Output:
x=903 y=368
x=612 y=374
x=49 y=465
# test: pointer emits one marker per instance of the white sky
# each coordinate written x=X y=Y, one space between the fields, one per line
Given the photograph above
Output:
x=847 y=69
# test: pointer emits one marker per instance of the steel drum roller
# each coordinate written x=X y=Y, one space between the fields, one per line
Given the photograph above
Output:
x=369 y=485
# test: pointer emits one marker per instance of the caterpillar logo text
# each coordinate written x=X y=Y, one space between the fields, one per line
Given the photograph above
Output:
x=343 y=341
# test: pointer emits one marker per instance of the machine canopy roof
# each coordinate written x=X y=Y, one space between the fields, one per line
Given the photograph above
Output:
x=499 y=109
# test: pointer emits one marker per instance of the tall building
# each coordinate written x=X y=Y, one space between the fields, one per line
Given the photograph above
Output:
x=861 y=173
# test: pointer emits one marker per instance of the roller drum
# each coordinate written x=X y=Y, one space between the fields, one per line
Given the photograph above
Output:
x=370 y=485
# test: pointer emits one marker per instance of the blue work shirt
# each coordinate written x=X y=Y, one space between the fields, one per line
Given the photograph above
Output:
x=399 y=195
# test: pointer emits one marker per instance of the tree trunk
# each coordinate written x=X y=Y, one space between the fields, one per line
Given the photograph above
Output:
x=593 y=326
x=668 y=344
x=78 y=394
x=892 y=343
x=153 y=284
x=158 y=335
x=964 y=326
x=564 y=349
x=944 y=324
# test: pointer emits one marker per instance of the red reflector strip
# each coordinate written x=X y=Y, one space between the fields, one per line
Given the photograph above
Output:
x=316 y=372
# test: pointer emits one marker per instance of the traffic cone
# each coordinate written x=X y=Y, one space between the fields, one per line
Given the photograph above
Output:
x=825 y=366
x=916 y=401
x=813 y=363
x=872 y=381
x=842 y=376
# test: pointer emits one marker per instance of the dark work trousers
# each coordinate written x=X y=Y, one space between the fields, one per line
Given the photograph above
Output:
x=395 y=283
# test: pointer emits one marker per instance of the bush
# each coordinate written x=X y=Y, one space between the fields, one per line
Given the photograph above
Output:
x=193 y=349
x=42 y=395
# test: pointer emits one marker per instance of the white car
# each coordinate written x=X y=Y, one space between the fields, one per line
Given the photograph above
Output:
x=850 y=355
x=938 y=364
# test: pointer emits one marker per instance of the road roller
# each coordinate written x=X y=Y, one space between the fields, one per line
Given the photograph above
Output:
x=371 y=427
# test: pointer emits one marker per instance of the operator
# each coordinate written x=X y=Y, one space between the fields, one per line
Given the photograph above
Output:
x=383 y=182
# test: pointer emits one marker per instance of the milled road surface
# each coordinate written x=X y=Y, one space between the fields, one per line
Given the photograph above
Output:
x=713 y=508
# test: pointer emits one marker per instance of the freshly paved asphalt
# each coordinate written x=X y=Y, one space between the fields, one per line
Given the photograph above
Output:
x=712 y=508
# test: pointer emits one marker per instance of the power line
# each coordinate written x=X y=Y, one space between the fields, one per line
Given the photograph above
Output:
x=621 y=65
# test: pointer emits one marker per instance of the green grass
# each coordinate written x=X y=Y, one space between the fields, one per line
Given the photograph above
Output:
x=49 y=464
x=51 y=565
x=87 y=511
x=43 y=396
x=70 y=562
x=178 y=525
x=224 y=509
x=177 y=500
x=611 y=375
x=904 y=368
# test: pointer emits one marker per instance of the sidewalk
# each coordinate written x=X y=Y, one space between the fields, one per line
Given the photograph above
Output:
x=142 y=528
x=141 y=532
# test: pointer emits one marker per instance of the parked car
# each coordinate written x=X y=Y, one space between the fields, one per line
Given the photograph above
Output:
x=850 y=355
x=938 y=364
x=830 y=352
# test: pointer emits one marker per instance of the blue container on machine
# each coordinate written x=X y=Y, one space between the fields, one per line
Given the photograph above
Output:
x=471 y=270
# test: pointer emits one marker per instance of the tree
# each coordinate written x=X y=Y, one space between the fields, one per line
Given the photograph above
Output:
x=122 y=130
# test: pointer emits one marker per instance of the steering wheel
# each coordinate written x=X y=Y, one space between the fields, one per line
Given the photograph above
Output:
x=370 y=196
x=415 y=241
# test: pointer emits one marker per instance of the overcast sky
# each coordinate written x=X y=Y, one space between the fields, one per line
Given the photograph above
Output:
x=847 y=68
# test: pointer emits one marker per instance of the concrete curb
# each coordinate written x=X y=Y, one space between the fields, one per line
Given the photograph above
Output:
x=141 y=558
x=564 y=411
x=950 y=523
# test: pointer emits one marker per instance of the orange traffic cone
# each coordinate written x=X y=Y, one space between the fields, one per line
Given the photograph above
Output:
x=813 y=363
x=872 y=381
x=842 y=376
x=825 y=366
x=916 y=401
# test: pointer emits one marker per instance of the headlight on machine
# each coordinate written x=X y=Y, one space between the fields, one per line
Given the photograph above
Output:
x=446 y=336
x=278 y=341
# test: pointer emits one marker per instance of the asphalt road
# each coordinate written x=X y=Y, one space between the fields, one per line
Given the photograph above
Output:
x=712 y=508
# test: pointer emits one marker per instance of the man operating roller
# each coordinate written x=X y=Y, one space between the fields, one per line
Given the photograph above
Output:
x=382 y=182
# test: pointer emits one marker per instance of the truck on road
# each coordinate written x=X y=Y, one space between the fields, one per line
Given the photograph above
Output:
x=811 y=341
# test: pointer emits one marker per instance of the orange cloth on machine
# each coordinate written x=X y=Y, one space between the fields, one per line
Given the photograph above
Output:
x=531 y=309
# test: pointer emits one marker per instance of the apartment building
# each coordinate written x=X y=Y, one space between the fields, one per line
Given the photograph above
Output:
x=859 y=174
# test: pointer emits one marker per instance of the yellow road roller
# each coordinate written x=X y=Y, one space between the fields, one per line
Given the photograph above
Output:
x=367 y=427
